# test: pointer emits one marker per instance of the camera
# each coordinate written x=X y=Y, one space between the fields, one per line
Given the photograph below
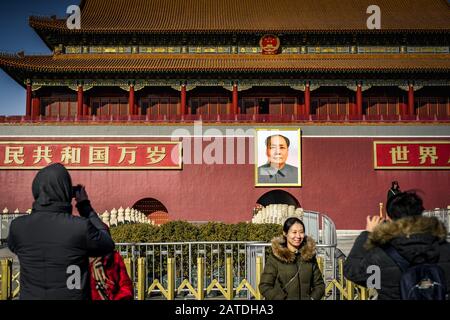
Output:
x=76 y=189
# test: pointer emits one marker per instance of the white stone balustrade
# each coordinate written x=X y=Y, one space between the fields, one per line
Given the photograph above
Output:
x=111 y=218
x=277 y=213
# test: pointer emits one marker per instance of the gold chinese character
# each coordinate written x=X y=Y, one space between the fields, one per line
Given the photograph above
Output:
x=128 y=151
x=42 y=154
x=428 y=152
x=155 y=155
x=70 y=155
x=14 y=154
x=98 y=155
x=399 y=154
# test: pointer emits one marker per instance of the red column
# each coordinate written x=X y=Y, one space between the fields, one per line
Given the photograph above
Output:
x=28 y=101
x=80 y=101
x=183 y=99
x=403 y=106
x=359 y=100
x=307 y=100
x=36 y=106
x=411 y=100
x=235 y=99
x=131 y=101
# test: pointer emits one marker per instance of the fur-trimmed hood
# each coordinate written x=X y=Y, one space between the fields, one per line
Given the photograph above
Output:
x=416 y=238
x=281 y=252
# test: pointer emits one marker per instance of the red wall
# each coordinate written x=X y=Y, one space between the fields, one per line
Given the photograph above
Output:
x=337 y=176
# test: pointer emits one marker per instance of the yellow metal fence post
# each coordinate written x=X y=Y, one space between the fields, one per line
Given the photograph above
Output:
x=341 y=277
x=200 y=279
x=229 y=271
x=6 y=285
x=141 y=279
x=127 y=262
x=259 y=270
x=350 y=290
x=170 y=279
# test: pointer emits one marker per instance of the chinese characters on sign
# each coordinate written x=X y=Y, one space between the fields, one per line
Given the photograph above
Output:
x=411 y=154
x=91 y=154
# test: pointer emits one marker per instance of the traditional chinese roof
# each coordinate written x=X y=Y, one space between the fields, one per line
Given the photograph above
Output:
x=159 y=16
x=124 y=63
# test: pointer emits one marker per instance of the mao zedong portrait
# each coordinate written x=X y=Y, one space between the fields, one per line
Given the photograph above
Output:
x=276 y=170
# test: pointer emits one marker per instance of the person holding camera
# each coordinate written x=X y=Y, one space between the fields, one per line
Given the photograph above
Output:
x=54 y=246
x=291 y=271
x=409 y=250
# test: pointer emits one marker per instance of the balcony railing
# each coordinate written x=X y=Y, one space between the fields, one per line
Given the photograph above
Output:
x=226 y=118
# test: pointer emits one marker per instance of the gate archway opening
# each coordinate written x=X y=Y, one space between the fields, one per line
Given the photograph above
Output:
x=278 y=197
x=153 y=209
x=275 y=197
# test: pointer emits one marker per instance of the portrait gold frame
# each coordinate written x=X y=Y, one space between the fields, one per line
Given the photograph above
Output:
x=299 y=164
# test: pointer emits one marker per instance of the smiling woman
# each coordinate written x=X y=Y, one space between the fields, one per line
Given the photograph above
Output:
x=291 y=271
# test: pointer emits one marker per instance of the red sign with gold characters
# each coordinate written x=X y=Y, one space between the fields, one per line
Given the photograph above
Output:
x=269 y=44
x=411 y=154
x=143 y=155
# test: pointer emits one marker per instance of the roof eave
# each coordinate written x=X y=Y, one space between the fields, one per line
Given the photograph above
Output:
x=39 y=32
x=48 y=25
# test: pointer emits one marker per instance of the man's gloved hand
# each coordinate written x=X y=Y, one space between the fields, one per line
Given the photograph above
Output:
x=80 y=193
x=82 y=199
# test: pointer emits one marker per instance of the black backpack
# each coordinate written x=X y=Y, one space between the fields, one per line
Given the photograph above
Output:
x=419 y=282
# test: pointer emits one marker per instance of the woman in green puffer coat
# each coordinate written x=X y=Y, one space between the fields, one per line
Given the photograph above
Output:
x=291 y=271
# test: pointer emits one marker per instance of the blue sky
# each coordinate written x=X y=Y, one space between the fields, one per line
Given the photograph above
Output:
x=16 y=35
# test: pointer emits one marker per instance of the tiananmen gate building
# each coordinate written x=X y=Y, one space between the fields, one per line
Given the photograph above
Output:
x=125 y=100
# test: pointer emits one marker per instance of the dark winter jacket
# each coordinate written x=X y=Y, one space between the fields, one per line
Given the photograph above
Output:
x=291 y=276
x=52 y=245
x=418 y=239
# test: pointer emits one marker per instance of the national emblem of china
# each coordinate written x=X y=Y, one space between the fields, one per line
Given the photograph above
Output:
x=269 y=44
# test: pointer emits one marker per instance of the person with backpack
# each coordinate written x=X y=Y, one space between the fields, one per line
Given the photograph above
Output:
x=409 y=250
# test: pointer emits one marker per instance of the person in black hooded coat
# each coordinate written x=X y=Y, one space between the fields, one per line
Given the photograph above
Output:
x=417 y=238
x=52 y=245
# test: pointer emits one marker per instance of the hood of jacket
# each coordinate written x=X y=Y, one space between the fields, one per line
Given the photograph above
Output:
x=416 y=238
x=281 y=251
x=52 y=190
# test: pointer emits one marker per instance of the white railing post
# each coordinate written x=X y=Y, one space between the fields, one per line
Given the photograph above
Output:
x=121 y=216
x=105 y=218
x=127 y=215
x=113 y=217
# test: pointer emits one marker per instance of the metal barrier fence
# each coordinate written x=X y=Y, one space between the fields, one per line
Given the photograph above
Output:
x=199 y=270
x=154 y=260
x=346 y=290
x=443 y=215
x=228 y=269
x=236 y=264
